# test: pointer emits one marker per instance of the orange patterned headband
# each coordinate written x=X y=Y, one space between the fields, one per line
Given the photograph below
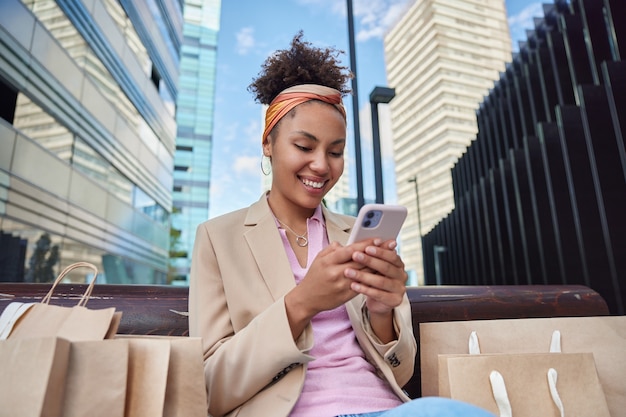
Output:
x=298 y=94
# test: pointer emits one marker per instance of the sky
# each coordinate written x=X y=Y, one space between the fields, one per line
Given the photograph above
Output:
x=250 y=30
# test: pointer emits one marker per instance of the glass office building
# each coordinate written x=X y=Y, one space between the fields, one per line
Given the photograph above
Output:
x=87 y=136
x=192 y=160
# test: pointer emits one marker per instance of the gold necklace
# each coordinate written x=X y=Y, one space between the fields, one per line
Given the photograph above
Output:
x=301 y=240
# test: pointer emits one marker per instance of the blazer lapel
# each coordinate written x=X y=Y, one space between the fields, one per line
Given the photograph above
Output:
x=338 y=230
x=267 y=249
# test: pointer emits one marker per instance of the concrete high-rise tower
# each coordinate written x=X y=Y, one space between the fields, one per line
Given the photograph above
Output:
x=442 y=58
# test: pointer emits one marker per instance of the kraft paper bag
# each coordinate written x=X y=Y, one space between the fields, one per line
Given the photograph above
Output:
x=32 y=377
x=184 y=385
x=604 y=336
x=21 y=321
x=96 y=379
x=148 y=365
x=186 y=394
x=525 y=385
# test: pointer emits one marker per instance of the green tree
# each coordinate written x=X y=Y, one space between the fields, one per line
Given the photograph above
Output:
x=174 y=251
x=42 y=262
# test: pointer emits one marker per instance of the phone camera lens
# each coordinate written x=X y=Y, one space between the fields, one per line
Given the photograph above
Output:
x=367 y=223
x=370 y=214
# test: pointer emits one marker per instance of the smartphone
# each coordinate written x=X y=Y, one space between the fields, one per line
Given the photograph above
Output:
x=382 y=221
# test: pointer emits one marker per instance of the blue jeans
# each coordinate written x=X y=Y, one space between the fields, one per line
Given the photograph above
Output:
x=429 y=407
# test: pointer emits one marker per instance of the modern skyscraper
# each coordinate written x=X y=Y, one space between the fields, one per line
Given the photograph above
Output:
x=87 y=135
x=442 y=58
x=194 y=116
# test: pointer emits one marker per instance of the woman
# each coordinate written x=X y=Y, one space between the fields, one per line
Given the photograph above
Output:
x=294 y=323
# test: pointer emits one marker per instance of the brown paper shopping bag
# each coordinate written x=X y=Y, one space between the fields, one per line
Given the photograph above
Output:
x=32 y=377
x=186 y=390
x=148 y=363
x=96 y=379
x=20 y=321
x=166 y=377
x=525 y=385
x=604 y=336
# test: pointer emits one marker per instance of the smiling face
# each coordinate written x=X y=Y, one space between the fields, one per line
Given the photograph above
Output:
x=306 y=149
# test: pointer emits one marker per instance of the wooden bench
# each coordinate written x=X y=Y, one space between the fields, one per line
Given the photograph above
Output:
x=161 y=310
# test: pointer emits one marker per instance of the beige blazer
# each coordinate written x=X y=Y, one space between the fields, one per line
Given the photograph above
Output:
x=239 y=276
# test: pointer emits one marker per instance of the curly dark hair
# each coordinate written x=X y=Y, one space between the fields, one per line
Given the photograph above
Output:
x=301 y=64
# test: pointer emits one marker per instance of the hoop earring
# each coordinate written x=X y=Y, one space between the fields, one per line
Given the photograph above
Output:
x=266 y=169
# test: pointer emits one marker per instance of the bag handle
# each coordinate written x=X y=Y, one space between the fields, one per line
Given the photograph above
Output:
x=498 y=388
x=86 y=295
x=474 y=346
x=9 y=317
x=500 y=395
x=552 y=377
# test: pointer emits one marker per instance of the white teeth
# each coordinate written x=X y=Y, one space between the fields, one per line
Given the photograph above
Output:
x=313 y=184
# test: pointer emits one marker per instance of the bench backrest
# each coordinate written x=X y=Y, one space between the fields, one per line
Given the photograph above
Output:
x=161 y=310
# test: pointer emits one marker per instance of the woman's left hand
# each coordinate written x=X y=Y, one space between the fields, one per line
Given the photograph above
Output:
x=383 y=280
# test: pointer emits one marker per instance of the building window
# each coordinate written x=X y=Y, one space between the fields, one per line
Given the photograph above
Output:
x=156 y=78
x=7 y=104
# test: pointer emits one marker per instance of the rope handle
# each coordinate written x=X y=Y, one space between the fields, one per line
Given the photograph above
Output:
x=474 y=345
x=500 y=395
x=498 y=387
x=86 y=295
x=556 y=398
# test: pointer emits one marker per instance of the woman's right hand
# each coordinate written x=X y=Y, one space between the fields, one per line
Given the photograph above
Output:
x=324 y=287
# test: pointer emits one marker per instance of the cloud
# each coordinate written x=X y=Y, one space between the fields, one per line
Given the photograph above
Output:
x=524 y=20
x=229 y=193
x=376 y=17
x=245 y=40
x=253 y=131
x=229 y=131
x=384 y=130
x=385 y=135
x=336 y=7
x=525 y=17
x=372 y=17
x=247 y=165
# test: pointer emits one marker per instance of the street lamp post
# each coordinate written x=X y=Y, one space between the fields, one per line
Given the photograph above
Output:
x=437 y=249
x=382 y=95
x=360 y=199
x=413 y=179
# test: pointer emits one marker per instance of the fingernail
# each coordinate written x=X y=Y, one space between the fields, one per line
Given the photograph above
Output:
x=393 y=245
x=377 y=242
x=358 y=256
x=370 y=250
x=350 y=273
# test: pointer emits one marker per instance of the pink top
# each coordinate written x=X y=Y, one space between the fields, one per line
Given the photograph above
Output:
x=340 y=380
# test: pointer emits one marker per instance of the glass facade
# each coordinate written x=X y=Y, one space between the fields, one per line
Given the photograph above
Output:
x=192 y=161
x=87 y=137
